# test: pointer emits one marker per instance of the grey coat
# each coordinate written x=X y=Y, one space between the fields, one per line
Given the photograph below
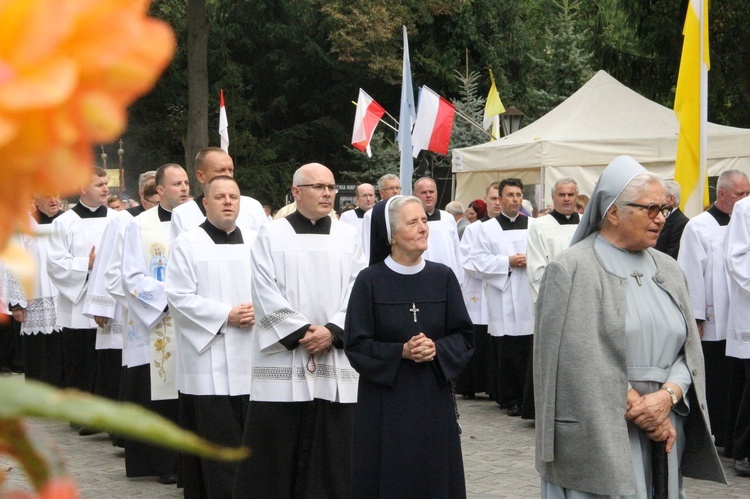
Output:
x=580 y=376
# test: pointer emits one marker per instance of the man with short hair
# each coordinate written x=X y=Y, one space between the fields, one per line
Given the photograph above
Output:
x=669 y=238
x=551 y=233
x=150 y=376
x=70 y=258
x=442 y=242
x=456 y=209
x=499 y=257
x=302 y=401
x=364 y=194
x=389 y=185
x=701 y=258
x=208 y=287
x=209 y=163
x=144 y=179
x=476 y=376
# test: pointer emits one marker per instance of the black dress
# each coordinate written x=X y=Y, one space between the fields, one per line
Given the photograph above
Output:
x=406 y=440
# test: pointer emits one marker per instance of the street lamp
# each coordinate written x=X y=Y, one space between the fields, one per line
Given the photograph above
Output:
x=511 y=120
x=121 y=153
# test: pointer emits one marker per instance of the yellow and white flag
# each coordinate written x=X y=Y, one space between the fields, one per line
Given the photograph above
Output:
x=691 y=109
x=492 y=109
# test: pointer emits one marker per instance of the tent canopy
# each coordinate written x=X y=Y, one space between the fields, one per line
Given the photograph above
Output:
x=602 y=120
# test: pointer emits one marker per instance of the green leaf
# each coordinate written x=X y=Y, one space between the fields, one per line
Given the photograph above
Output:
x=30 y=398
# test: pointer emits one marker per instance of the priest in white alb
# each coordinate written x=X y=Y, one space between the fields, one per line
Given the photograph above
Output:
x=304 y=390
x=151 y=382
x=364 y=195
x=499 y=257
x=208 y=287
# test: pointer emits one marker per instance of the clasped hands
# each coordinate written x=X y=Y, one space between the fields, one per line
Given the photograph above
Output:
x=317 y=340
x=651 y=414
x=242 y=315
x=419 y=348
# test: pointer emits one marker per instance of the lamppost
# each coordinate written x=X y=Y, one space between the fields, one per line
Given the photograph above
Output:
x=121 y=153
x=511 y=120
x=104 y=158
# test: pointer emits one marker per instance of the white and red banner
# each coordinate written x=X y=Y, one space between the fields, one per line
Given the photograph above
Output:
x=223 y=124
x=368 y=115
x=432 y=130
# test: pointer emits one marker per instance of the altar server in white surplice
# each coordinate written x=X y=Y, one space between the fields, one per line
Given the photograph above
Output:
x=499 y=256
x=442 y=246
x=477 y=374
x=209 y=291
x=551 y=233
x=701 y=258
x=151 y=382
x=364 y=194
x=70 y=257
x=209 y=163
x=304 y=390
x=42 y=336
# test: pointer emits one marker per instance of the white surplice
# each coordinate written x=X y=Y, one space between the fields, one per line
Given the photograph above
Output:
x=546 y=239
x=737 y=260
x=472 y=287
x=204 y=281
x=189 y=215
x=701 y=258
x=350 y=217
x=442 y=244
x=41 y=305
x=98 y=301
x=507 y=289
x=298 y=280
x=68 y=263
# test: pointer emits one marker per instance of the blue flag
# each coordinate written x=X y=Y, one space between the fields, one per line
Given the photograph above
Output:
x=406 y=119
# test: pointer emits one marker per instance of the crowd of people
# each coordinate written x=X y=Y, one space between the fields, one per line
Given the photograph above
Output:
x=335 y=346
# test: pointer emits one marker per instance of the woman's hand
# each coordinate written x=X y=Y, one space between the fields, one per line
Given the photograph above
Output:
x=664 y=432
x=649 y=411
x=419 y=348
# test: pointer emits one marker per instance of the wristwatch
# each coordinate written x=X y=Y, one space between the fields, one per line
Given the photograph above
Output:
x=672 y=394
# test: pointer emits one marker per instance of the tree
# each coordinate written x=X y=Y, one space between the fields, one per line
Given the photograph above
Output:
x=197 y=77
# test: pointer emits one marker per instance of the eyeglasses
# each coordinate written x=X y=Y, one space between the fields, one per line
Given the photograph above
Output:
x=397 y=188
x=321 y=187
x=653 y=209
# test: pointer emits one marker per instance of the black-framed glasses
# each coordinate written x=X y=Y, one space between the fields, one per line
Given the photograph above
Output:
x=653 y=209
x=321 y=187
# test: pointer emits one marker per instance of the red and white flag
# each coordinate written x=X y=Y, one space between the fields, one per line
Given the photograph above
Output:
x=368 y=115
x=223 y=124
x=432 y=130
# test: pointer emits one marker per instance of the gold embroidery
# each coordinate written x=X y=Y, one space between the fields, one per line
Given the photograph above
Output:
x=162 y=340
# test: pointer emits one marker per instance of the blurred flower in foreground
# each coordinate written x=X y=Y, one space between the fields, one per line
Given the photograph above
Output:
x=68 y=71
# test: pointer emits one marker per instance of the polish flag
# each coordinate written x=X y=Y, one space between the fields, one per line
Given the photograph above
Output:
x=432 y=130
x=368 y=115
x=223 y=124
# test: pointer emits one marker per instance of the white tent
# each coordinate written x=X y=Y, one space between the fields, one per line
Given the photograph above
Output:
x=578 y=138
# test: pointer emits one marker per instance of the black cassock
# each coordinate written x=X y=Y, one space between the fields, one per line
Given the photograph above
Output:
x=406 y=440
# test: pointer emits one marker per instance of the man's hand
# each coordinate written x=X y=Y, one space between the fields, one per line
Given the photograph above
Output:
x=419 y=348
x=101 y=321
x=317 y=339
x=92 y=257
x=242 y=316
x=517 y=260
x=19 y=314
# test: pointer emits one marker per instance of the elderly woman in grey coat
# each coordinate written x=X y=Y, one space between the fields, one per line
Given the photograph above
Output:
x=617 y=362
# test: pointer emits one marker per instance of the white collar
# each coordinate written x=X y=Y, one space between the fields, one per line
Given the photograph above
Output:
x=404 y=269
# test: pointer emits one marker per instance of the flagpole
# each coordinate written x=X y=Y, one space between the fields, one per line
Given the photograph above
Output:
x=384 y=122
x=473 y=123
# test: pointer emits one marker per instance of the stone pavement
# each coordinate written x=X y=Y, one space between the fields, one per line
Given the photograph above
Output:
x=498 y=458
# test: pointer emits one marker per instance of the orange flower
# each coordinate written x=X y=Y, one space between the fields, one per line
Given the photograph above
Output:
x=68 y=71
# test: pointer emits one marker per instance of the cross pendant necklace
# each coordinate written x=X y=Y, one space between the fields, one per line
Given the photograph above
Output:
x=414 y=310
x=637 y=276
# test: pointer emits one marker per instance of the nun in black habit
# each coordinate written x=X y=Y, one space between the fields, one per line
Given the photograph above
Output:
x=408 y=335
